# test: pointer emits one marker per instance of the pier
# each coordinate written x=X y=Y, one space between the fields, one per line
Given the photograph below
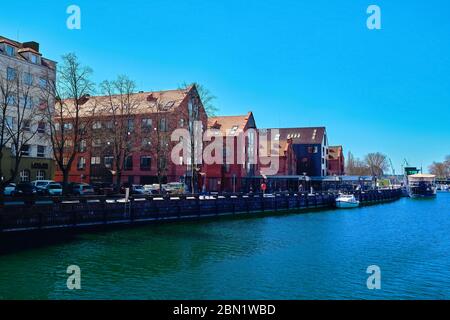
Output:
x=24 y=215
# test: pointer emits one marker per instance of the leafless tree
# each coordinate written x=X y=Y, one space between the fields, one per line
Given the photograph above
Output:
x=162 y=144
x=356 y=167
x=377 y=163
x=19 y=116
x=118 y=107
x=66 y=113
x=439 y=169
x=206 y=97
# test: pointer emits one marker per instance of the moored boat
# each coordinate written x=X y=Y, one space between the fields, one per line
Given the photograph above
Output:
x=346 y=201
x=421 y=186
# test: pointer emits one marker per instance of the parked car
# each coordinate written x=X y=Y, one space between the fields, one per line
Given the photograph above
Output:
x=151 y=189
x=103 y=188
x=24 y=189
x=53 y=189
x=81 y=189
x=174 y=187
x=134 y=188
x=9 y=189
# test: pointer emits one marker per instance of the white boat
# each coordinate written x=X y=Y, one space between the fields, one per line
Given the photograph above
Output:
x=347 y=201
x=422 y=186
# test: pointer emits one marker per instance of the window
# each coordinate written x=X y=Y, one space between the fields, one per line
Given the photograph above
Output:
x=25 y=176
x=95 y=160
x=9 y=122
x=28 y=78
x=68 y=143
x=68 y=126
x=40 y=175
x=97 y=125
x=33 y=58
x=26 y=125
x=146 y=143
x=313 y=149
x=108 y=160
x=130 y=125
x=109 y=124
x=83 y=146
x=181 y=123
x=96 y=143
x=277 y=137
x=81 y=163
x=146 y=124
x=43 y=83
x=25 y=150
x=41 y=127
x=41 y=151
x=11 y=100
x=163 y=125
x=10 y=51
x=234 y=129
x=128 y=165
x=11 y=74
x=146 y=162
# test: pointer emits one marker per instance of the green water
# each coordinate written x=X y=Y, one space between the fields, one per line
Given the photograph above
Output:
x=321 y=255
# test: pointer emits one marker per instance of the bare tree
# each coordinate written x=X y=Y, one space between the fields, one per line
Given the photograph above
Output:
x=377 y=163
x=19 y=117
x=206 y=97
x=439 y=169
x=356 y=167
x=118 y=106
x=66 y=113
x=162 y=144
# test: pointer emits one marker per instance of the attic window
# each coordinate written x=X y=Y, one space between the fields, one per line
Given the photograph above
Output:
x=314 y=134
x=234 y=129
x=33 y=58
x=10 y=50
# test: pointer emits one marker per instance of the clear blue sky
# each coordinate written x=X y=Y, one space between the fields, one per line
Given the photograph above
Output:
x=293 y=63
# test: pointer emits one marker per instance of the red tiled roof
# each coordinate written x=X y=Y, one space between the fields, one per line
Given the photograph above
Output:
x=142 y=102
x=228 y=123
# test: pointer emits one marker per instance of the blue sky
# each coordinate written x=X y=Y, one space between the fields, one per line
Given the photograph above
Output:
x=293 y=63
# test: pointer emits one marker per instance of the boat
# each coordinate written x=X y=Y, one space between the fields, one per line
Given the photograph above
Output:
x=347 y=201
x=421 y=186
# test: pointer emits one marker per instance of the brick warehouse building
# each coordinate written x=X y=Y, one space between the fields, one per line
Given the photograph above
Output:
x=148 y=127
x=336 y=161
x=230 y=177
x=310 y=146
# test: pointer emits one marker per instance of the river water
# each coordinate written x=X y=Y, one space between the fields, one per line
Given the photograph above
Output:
x=320 y=255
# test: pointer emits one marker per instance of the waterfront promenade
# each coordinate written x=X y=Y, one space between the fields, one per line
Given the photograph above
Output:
x=24 y=215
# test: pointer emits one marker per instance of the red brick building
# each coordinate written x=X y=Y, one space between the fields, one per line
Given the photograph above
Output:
x=336 y=161
x=281 y=148
x=148 y=127
x=231 y=175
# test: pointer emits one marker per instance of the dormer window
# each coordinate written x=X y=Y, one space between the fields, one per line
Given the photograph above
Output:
x=234 y=129
x=34 y=58
x=10 y=51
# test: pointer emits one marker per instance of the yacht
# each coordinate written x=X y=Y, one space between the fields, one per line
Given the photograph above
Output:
x=347 y=201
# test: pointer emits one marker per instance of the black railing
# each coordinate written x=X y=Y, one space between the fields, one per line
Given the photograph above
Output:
x=35 y=213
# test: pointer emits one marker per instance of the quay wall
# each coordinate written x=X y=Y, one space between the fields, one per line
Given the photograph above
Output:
x=19 y=215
